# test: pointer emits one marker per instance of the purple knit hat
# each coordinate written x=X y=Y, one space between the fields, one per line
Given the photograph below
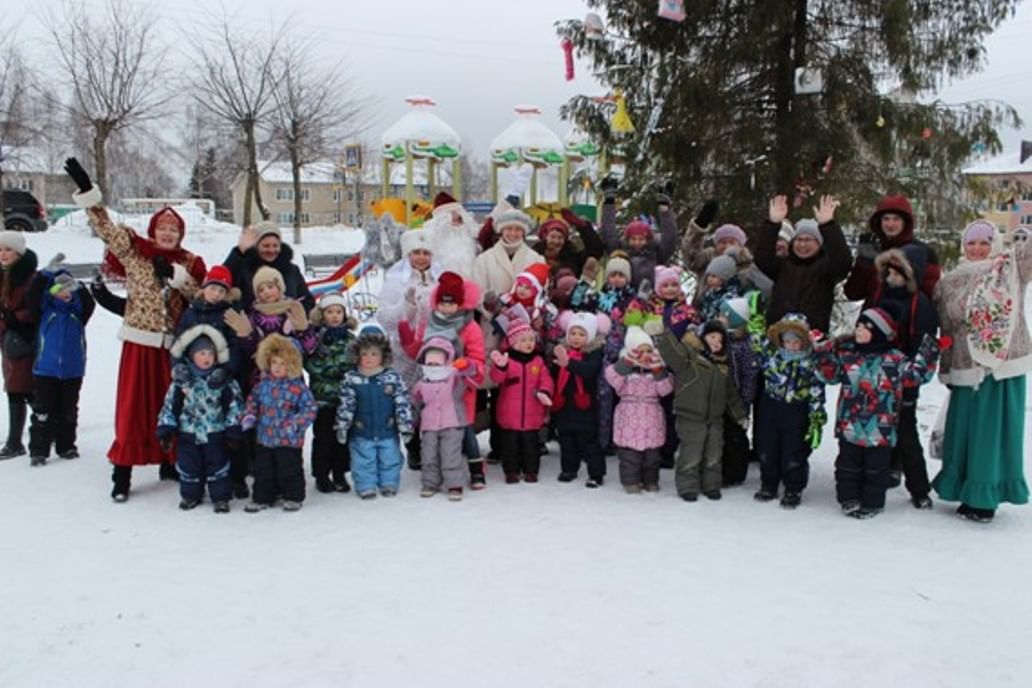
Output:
x=730 y=232
x=979 y=230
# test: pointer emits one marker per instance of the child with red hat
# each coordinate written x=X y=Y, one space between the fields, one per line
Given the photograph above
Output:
x=527 y=301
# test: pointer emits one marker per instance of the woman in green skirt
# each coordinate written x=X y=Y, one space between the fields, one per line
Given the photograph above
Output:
x=981 y=305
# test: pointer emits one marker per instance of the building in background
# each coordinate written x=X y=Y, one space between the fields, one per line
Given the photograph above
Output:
x=1002 y=187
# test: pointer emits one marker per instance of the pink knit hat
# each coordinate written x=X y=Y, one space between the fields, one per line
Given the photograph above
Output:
x=730 y=232
x=638 y=228
x=666 y=274
x=516 y=328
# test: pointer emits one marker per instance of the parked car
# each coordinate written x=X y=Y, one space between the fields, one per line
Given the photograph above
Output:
x=22 y=212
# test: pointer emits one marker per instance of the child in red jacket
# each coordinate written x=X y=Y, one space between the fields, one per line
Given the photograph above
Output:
x=525 y=396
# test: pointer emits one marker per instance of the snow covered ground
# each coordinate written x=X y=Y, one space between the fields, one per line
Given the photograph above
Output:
x=526 y=585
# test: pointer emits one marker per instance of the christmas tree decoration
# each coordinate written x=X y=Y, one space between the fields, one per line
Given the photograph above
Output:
x=672 y=10
x=880 y=122
x=621 y=122
x=567 y=46
x=926 y=133
x=594 y=29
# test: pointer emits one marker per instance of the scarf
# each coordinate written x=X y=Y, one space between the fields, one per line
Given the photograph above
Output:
x=989 y=312
x=275 y=308
x=149 y=251
x=437 y=373
x=448 y=327
x=581 y=399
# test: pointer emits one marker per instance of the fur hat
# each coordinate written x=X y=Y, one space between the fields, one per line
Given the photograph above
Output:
x=809 y=227
x=880 y=322
x=711 y=327
x=664 y=274
x=795 y=323
x=736 y=311
x=267 y=228
x=166 y=213
x=722 y=266
x=638 y=228
x=553 y=224
x=897 y=260
x=220 y=275
x=278 y=346
x=450 y=289
x=183 y=343
x=730 y=231
x=444 y=203
x=617 y=263
x=514 y=217
x=266 y=274
x=414 y=239
x=979 y=230
x=13 y=240
x=586 y=321
x=371 y=337
x=516 y=328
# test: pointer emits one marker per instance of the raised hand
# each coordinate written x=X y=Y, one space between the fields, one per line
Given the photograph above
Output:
x=777 y=209
x=78 y=175
x=298 y=318
x=562 y=358
x=708 y=212
x=239 y=322
x=248 y=238
x=825 y=210
x=499 y=359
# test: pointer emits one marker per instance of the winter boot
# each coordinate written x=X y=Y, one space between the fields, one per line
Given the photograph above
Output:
x=530 y=477
x=455 y=494
x=864 y=514
x=849 y=506
x=388 y=492
x=566 y=477
x=593 y=483
x=221 y=507
x=324 y=485
x=38 y=461
x=240 y=490
x=187 y=504
x=713 y=495
x=121 y=476
x=477 y=479
x=16 y=412
x=690 y=497
x=167 y=471
x=651 y=487
x=765 y=495
x=341 y=485
x=922 y=503
x=290 y=505
x=976 y=515
x=428 y=492
x=72 y=453
x=791 y=500
x=632 y=489
x=255 y=507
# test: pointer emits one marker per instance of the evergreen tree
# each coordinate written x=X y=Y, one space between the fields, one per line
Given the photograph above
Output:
x=719 y=89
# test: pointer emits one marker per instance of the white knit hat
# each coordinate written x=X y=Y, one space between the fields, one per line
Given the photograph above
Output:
x=634 y=338
x=586 y=321
x=267 y=228
x=414 y=239
x=13 y=240
x=333 y=299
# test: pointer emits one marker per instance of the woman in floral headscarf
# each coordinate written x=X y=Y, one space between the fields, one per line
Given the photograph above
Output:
x=981 y=305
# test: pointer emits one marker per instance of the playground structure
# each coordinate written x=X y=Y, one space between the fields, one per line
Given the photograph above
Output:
x=528 y=140
x=420 y=136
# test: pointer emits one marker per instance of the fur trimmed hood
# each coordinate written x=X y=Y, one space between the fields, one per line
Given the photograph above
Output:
x=182 y=343
x=279 y=346
x=371 y=338
x=896 y=259
x=790 y=323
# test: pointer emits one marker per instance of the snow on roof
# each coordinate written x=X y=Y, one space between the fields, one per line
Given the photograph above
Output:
x=322 y=172
x=1008 y=163
x=423 y=126
x=528 y=135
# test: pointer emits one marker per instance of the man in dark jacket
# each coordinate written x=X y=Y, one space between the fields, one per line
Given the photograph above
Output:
x=892 y=226
x=818 y=259
x=262 y=245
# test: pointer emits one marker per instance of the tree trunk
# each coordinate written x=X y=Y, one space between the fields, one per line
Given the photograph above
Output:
x=100 y=137
x=295 y=171
x=253 y=185
x=791 y=53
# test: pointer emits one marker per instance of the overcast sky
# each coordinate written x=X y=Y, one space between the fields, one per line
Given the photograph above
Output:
x=479 y=59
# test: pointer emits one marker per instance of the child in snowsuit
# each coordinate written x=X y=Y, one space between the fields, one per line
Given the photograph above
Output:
x=745 y=368
x=574 y=407
x=439 y=396
x=280 y=408
x=640 y=378
x=705 y=392
x=374 y=416
x=525 y=394
x=719 y=282
x=453 y=304
x=790 y=417
x=874 y=375
x=616 y=295
x=326 y=367
x=202 y=414
x=644 y=252
x=215 y=297
x=59 y=367
x=526 y=301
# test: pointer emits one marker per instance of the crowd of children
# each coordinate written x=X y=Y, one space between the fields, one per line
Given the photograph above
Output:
x=664 y=360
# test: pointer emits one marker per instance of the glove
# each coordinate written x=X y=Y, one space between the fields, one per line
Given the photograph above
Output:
x=866 y=248
x=181 y=373
x=815 y=431
x=78 y=175
x=240 y=323
x=707 y=213
x=573 y=219
x=609 y=185
x=218 y=378
x=162 y=268
x=590 y=270
x=405 y=334
x=664 y=190
x=298 y=317
x=543 y=399
x=622 y=367
x=460 y=363
x=653 y=327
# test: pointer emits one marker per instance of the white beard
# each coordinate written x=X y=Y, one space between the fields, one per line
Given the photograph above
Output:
x=454 y=248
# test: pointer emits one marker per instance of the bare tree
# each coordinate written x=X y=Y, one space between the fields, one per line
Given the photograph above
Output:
x=315 y=109
x=234 y=78
x=15 y=132
x=113 y=62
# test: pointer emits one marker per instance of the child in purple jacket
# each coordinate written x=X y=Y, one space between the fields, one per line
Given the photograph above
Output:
x=439 y=394
x=280 y=408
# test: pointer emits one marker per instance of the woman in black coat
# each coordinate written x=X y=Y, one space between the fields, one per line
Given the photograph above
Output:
x=262 y=245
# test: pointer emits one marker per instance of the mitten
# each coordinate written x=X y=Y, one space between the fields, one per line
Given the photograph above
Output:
x=644 y=290
x=866 y=248
x=945 y=342
x=609 y=186
x=460 y=364
x=490 y=301
x=239 y=322
x=297 y=316
x=573 y=219
x=815 y=431
x=590 y=270
x=664 y=191
x=622 y=367
x=543 y=399
x=653 y=326
x=405 y=334
x=162 y=268
x=181 y=373
x=88 y=196
x=218 y=378
x=707 y=213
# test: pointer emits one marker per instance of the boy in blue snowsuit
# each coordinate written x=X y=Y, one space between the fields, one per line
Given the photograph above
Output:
x=65 y=308
x=202 y=412
x=374 y=416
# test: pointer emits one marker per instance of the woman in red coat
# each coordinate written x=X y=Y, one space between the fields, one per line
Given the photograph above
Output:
x=160 y=277
x=18 y=332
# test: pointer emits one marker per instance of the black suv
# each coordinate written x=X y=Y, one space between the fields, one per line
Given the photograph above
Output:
x=22 y=212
